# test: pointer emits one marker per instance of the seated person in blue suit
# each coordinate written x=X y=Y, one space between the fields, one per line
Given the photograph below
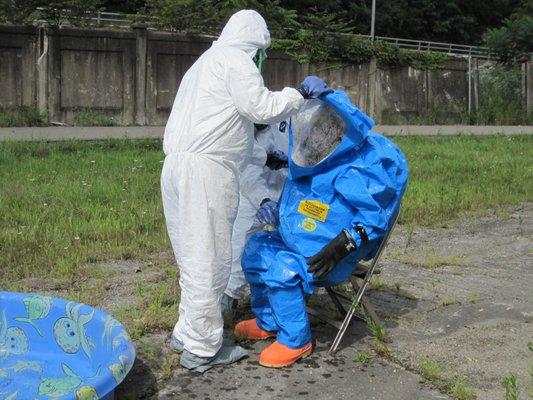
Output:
x=342 y=193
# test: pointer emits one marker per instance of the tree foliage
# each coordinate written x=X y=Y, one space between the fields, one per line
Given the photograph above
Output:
x=513 y=42
x=17 y=11
x=455 y=21
x=55 y=12
x=207 y=16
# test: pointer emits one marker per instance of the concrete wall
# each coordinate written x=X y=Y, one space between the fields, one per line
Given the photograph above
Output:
x=131 y=76
x=18 y=54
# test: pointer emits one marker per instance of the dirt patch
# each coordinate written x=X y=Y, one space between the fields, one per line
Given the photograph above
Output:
x=114 y=286
x=474 y=311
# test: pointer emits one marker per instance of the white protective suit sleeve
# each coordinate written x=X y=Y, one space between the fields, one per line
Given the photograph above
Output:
x=254 y=101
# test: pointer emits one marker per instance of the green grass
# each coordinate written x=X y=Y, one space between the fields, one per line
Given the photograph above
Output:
x=447 y=301
x=22 y=116
x=88 y=117
x=66 y=205
x=378 y=330
x=459 y=391
x=449 y=175
x=156 y=309
x=472 y=298
x=429 y=368
x=510 y=385
x=432 y=371
x=363 y=358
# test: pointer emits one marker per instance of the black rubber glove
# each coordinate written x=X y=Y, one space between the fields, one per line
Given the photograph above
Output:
x=323 y=262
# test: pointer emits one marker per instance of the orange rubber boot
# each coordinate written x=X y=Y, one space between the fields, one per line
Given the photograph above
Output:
x=278 y=355
x=249 y=330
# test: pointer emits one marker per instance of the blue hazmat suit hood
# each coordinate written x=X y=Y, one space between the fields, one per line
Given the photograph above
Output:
x=341 y=176
x=323 y=132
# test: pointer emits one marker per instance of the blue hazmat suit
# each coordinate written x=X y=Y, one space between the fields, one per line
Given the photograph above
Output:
x=341 y=176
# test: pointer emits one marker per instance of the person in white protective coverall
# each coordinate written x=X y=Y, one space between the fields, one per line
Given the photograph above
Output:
x=208 y=141
x=259 y=181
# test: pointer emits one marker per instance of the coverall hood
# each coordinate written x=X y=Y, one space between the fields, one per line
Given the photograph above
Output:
x=357 y=126
x=246 y=30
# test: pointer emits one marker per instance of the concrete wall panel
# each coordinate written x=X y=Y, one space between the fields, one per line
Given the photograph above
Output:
x=133 y=75
x=280 y=71
x=17 y=66
x=11 y=73
x=448 y=92
x=168 y=58
x=91 y=70
x=170 y=70
x=92 y=79
x=351 y=78
x=401 y=93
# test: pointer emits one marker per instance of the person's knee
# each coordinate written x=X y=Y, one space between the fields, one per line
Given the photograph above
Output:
x=284 y=272
x=257 y=255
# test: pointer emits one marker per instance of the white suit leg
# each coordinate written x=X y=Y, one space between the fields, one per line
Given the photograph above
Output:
x=243 y=222
x=200 y=200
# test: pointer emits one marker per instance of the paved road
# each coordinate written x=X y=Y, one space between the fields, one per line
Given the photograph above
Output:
x=138 y=132
x=317 y=377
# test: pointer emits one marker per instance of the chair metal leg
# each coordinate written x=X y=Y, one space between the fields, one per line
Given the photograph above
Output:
x=361 y=291
x=369 y=309
x=336 y=301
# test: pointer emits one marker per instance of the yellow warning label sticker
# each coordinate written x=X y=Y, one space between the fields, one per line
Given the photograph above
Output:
x=314 y=209
x=309 y=224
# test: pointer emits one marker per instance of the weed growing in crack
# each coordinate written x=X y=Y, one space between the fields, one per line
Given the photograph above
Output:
x=510 y=384
x=363 y=358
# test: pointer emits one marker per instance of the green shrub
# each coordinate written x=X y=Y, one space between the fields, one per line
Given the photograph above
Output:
x=88 y=117
x=501 y=96
x=23 y=116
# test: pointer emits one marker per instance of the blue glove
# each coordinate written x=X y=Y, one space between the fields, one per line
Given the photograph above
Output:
x=277 y=160
x=268 y=213
x=313 y=87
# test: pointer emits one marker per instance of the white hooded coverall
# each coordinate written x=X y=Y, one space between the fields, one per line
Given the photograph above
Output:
x=207 y=142
x=257 y=183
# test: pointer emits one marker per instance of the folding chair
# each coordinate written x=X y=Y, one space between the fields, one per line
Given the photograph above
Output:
x=359 y=281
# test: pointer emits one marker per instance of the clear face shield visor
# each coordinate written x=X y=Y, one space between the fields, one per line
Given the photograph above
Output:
x=317 y=130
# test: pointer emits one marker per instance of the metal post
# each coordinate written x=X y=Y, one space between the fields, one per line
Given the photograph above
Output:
x=42 y=69
x=373 y=21
x=469 y=85
x=141 y=35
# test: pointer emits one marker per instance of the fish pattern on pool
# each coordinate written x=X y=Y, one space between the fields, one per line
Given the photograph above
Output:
x=51 y=348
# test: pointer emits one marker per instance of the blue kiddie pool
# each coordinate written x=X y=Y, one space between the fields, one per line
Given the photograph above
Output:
x=51 y=348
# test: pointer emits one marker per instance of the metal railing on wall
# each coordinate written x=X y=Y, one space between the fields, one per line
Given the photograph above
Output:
x=100 y=18
x=104 y=18
x=450 y=48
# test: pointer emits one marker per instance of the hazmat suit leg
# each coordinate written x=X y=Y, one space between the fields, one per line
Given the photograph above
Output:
x=258 y=257
x=243 y=222
x=200 y=200
x=277 y=288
